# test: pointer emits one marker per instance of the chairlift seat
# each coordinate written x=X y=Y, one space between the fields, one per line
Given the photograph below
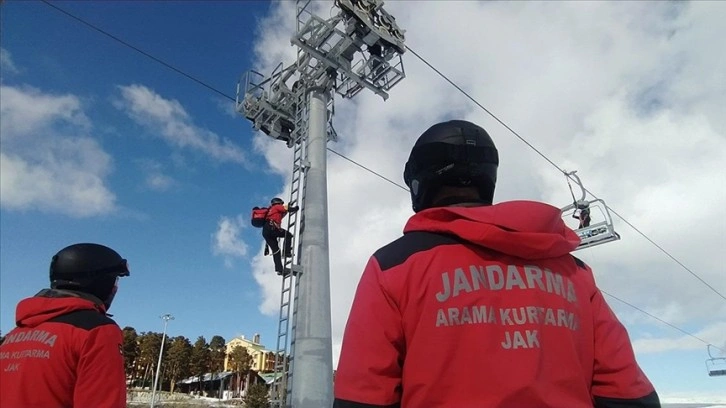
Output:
x=600 y=232
x=716 y=366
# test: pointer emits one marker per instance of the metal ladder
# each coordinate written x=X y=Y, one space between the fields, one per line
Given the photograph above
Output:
x=282 y=385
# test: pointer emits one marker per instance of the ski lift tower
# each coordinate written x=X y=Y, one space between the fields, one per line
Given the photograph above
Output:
x=360 y=47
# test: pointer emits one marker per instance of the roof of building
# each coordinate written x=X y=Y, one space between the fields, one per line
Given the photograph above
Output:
x=206 y=377
x=269 y=377
x=249 y=344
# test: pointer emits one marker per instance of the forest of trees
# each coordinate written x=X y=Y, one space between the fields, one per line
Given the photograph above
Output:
x=181 y=359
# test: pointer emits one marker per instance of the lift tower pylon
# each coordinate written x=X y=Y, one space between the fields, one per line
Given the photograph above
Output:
x=358 y=48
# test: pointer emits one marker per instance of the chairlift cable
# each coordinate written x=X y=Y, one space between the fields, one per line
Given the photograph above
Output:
x=564 y=172
x=106 y=33
x=662 y=321
x=391 y=181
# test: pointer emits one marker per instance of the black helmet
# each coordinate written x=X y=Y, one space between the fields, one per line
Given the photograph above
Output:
x=89 y=268
x=454 y=153
x=276 y=200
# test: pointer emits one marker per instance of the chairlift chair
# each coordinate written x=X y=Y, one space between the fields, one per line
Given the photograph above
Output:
x=716 y=366
x=591 y=234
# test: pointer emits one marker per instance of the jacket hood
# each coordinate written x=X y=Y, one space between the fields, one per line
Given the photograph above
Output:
x=524 y=229
x=50 y=303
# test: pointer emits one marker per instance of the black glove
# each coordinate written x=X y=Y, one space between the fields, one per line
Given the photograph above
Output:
x=293 y=209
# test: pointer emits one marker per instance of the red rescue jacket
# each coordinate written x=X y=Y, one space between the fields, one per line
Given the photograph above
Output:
x=64 y=352
x=485 y=307
x=276 y=213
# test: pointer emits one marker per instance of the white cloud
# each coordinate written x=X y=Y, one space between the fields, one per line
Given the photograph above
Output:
x=226 y=239
x=159 y=182
x=26 y=111
x=6 y=62
x=49 y=163
x=170 y=120
x=226 y=106
x=155 y=178
x=682 y=342
x=269 y=282
x=633 y=103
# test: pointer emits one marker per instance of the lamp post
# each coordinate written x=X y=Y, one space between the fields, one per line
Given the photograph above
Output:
x=166 y=318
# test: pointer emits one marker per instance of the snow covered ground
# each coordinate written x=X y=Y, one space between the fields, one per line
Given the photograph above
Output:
x=692 y=405
x=177 y=400
x=710 y=401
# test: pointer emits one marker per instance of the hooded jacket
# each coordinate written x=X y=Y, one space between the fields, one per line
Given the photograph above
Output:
x=276 y=213
x=64 y=352
x=485 y=307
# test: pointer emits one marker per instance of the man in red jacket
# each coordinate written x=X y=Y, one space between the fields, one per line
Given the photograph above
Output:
x=65 y=351
x=481 y=305
x=272 y=231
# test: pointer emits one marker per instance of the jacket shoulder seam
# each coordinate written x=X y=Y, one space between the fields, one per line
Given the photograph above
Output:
x=83 y=319
x=411 y=243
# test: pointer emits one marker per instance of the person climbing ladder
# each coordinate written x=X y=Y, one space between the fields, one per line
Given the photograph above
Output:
x=272 y=230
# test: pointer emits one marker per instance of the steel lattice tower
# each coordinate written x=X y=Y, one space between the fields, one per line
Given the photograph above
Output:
x=358 y=48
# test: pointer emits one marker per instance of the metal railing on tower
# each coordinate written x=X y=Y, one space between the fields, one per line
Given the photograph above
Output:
x=360 y=47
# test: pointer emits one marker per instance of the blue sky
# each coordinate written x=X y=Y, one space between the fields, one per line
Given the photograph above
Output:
x=105 y=145
x=165 y=228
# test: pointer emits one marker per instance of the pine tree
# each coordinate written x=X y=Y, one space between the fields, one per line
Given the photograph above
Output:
x=200 y=360
x=240 y=361
x=131 y=351
x=178 y=359
x=257 y=397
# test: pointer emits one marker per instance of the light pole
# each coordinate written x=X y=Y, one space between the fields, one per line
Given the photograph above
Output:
x=166 y=319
